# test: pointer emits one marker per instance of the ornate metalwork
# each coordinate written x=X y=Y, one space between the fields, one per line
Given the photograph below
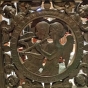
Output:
x=44 y=44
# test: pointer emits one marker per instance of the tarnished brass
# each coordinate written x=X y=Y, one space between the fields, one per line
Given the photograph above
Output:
x=43 y=44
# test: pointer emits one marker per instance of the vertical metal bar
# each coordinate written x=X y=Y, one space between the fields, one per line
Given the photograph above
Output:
x=2 y=78
x=0 y=18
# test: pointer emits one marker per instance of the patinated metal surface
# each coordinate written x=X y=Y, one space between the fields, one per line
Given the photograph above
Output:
x=1 y=62
x=44 y=44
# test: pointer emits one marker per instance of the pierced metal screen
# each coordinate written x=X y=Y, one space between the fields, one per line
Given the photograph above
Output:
x=43 y=44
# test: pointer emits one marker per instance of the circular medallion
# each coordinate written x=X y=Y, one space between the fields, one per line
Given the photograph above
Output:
x=46 y=46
